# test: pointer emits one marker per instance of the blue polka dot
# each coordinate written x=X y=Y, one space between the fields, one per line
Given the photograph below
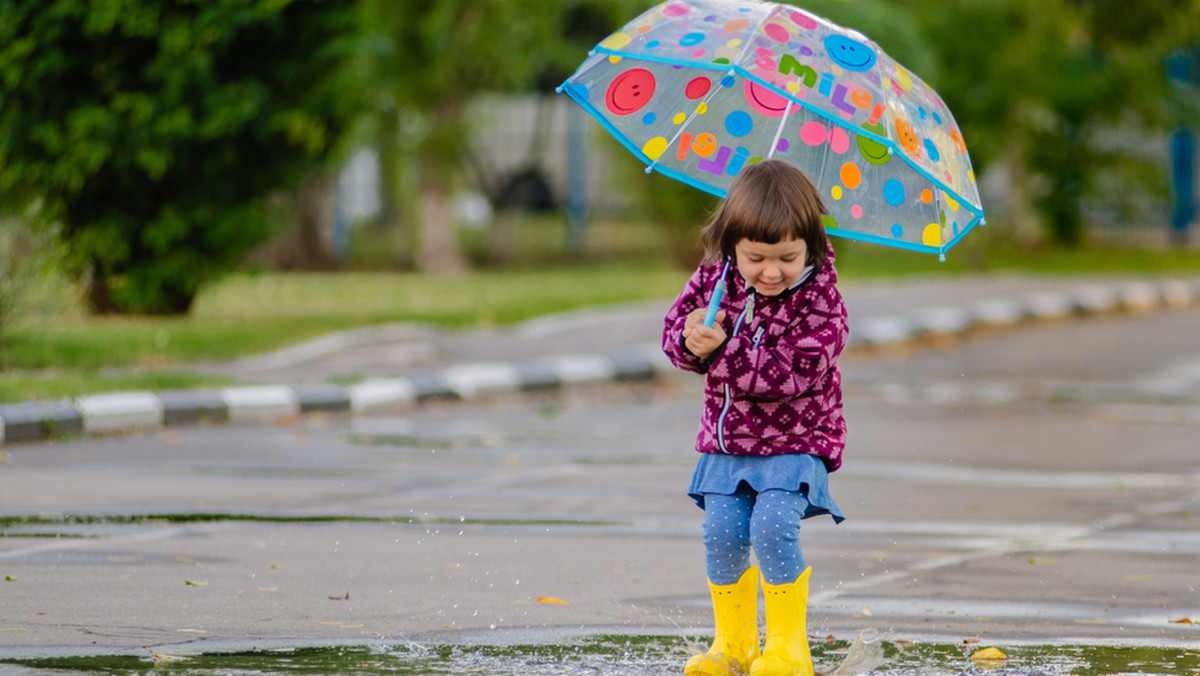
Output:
x=932 y=150
x=649 y=118
x=652 y=44
x=897 y=230
x=937 y=118
x=893 y=192
x=922 y=112
x=739 y=123
x=691 y=39
x=727 y=81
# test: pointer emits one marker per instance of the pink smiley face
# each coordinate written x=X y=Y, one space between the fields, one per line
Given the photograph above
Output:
x=765 y=101
x=630 y=91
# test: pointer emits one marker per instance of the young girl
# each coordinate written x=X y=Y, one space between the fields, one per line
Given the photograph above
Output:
x=772 y=426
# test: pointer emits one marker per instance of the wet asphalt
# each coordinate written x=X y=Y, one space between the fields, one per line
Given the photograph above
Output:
x=1034 y=484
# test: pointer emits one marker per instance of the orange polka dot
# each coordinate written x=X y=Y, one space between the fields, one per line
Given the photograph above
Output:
x=851 y=175
x=927 y=195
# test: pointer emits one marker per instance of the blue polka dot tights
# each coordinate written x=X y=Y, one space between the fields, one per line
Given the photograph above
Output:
x=768 y=522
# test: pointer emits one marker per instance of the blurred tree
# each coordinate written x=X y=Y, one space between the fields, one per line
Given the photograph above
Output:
x=1035 y=85
x=428 y=59
x=151 y=129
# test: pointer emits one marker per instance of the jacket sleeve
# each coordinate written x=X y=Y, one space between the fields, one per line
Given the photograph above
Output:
x=798 y=361
x=692 y=297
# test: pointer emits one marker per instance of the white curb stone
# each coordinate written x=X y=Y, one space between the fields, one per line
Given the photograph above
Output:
x=1048 y=305
x=119 y=411
x=467 y=380
x=381 y=392
x=1139 y=296
x=578 y=368
x=881 y=330
x=1096 y=299
x=260 y=403
x=942 y=320
x=998 y=312
x=1177 y=294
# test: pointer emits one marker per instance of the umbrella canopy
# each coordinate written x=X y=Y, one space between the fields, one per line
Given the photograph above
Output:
x=697 y=89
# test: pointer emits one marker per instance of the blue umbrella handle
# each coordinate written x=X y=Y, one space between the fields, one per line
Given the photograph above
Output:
x=718 y=293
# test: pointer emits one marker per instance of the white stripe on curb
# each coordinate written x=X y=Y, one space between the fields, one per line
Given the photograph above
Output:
x=997 y=312
x=119 y=411
x=381 y=392
x=1139 y=296
x=470 y=379
x=1096 y=299
x=880 y=330
x=1048 y=305
x=576 y=368
x=942 y=320
x=260 y=403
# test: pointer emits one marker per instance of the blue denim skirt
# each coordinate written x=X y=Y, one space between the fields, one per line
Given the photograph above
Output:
x=796 y=472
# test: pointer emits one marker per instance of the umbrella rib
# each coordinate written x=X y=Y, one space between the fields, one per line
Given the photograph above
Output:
x=787 y=109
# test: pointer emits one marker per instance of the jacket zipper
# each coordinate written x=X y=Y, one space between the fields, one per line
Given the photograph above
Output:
x=748 y=311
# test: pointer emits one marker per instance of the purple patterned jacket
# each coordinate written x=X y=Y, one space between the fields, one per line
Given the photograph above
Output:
x=774 y=387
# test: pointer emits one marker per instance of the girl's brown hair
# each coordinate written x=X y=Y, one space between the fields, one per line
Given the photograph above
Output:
x=768 y=202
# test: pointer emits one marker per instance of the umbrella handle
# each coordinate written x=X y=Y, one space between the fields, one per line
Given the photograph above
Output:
x=718 y=293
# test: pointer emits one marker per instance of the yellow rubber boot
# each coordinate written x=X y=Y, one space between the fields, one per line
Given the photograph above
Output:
x=735 y=608
x=785 y=652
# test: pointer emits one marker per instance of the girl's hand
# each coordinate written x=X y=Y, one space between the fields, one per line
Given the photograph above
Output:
x=702 y=340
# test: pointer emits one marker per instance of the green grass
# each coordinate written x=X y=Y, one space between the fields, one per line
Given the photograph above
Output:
x=67 y=353
x=71 y=354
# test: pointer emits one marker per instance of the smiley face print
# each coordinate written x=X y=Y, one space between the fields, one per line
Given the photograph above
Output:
x=907 y=138
x=849 y=53
x=630 y=91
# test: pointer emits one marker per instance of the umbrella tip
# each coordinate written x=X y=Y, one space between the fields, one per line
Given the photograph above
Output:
x=941 y=258
x=983 y=221
x=649 y=168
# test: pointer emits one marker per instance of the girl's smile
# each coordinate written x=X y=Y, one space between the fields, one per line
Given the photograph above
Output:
x=771 y=268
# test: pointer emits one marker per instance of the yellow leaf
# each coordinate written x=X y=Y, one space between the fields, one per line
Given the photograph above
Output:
x=1183 y=620
x=12 y=628
x=1039 y=561
x=1095 y=621
x=10 y=578
x=193 y=583
x=193 y=631
x=167 y=657
x=988 y=655
x=867 y=612
x=551 y=600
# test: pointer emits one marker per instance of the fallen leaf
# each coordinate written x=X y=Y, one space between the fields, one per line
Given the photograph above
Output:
x=340 y=598
x=10 y=578
x=551 y=600
x=268 y=589
x=168 y=657
x=1095 y=621
x=193 y=583
x=970 y=640
x=867 y=612
x=12 y=628
x=988 y=655
x=193 y=631
x=1039 y=561
x=123 y=559
x=1184 y=620
x=352 y=626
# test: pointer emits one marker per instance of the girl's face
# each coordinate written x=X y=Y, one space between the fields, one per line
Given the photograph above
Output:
x=771 y=268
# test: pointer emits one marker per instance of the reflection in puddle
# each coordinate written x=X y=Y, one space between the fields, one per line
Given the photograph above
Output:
x=622 y=655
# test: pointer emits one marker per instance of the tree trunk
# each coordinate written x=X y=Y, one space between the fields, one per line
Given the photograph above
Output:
x=1026 y=223
x=438 y=251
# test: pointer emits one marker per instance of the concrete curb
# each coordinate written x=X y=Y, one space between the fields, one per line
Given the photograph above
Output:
x=133 y=411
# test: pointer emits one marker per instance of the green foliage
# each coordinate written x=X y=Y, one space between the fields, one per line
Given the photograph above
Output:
x=1044 y=86
x=151 y=130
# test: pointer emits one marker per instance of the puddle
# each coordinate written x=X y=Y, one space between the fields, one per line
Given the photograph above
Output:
x=615 y=656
